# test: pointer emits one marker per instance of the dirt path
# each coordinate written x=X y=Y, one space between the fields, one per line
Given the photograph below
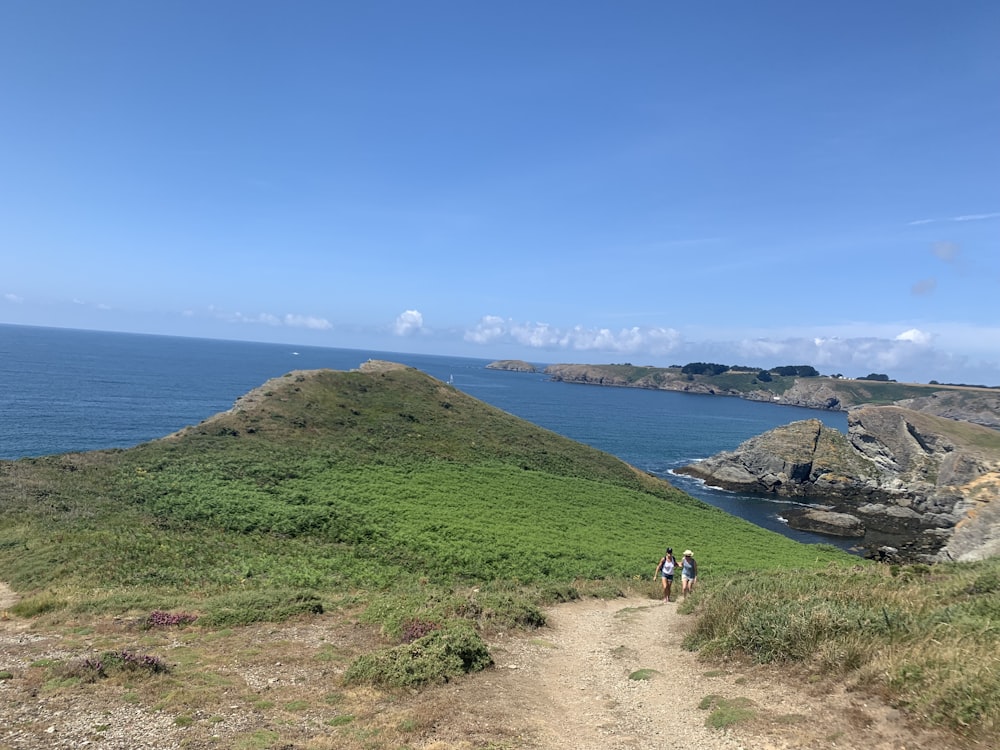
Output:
x=573 y=684
x=7 y=597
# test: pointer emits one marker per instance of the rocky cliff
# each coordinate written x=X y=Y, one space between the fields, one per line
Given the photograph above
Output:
x=926 y=485
x=976 y=405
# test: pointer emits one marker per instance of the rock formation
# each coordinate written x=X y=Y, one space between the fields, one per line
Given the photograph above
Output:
x=979 y=406
x=515 y=365
x=927 y=485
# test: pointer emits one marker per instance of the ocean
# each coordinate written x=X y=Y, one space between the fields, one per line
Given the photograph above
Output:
x=67 y=390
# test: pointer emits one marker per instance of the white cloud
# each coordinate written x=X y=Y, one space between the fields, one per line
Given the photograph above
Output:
x=907 y=356
x=289 y=320
x=13 y=298
x=494 y=329
x=915 y=336
x=977 y=217
x=489 y=328
x=408 y=323
x=260 y=318
x=963 y=217
x=307 y=321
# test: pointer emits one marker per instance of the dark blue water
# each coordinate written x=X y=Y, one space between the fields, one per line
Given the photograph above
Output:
x=65 y=390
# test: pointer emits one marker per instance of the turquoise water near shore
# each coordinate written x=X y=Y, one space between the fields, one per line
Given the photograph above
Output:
x=67 y=390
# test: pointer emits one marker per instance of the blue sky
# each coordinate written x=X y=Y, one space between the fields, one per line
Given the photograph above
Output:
x=655 y=182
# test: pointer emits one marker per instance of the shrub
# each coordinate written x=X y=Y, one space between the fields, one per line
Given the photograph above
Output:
x=93 y=668
x=160 y=619
x=509 y=611
x=444 y=653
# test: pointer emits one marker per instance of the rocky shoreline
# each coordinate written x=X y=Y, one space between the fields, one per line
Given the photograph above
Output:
x=926 y=486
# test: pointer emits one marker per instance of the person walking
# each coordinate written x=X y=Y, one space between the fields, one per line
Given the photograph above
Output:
x=689 y=573
x=665 y=571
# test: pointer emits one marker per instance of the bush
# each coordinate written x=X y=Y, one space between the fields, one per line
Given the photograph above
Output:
x=160 y=619
x=450 y=651
x=93 y=668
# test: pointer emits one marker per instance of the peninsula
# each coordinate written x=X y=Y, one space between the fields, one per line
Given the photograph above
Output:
x=786 y=385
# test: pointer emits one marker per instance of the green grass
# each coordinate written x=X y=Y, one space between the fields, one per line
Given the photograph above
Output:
x=928 y=638
x=725 y=712
x=644 y=674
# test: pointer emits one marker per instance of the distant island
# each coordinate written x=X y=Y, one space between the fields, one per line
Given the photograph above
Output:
x=794 y=386
x=514 y=365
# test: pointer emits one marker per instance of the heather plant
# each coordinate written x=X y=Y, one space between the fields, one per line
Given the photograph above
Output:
x=92 y=668
x=415 y=629
x=161 y=619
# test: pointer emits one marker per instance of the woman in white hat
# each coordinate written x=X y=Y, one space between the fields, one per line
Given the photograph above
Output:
x=689 y=572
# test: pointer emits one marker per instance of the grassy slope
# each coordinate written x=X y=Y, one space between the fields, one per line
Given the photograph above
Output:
x=926 y=638
x=336 y=481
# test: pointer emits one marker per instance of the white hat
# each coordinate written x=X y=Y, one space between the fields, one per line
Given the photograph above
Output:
x=688 y=553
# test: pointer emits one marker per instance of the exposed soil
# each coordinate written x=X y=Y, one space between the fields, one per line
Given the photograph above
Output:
x=602 y=675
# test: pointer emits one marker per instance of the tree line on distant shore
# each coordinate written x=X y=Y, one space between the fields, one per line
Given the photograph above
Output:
x=711 y=368
x=800 y=371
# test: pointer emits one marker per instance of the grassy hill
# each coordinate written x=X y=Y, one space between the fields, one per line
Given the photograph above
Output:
x=332 y=481
x=390 y=496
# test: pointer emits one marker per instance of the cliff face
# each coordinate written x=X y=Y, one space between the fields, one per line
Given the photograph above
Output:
x=928 y=485
x=979 y=406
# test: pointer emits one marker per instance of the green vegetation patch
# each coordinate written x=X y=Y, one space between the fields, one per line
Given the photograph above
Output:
x=447 y=652
x=245 y=607
x=724 y=712
x=933 y=646
x=644 y=674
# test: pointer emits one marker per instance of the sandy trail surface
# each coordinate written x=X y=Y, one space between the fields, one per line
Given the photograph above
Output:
x=602 y=675
x=613 y=675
